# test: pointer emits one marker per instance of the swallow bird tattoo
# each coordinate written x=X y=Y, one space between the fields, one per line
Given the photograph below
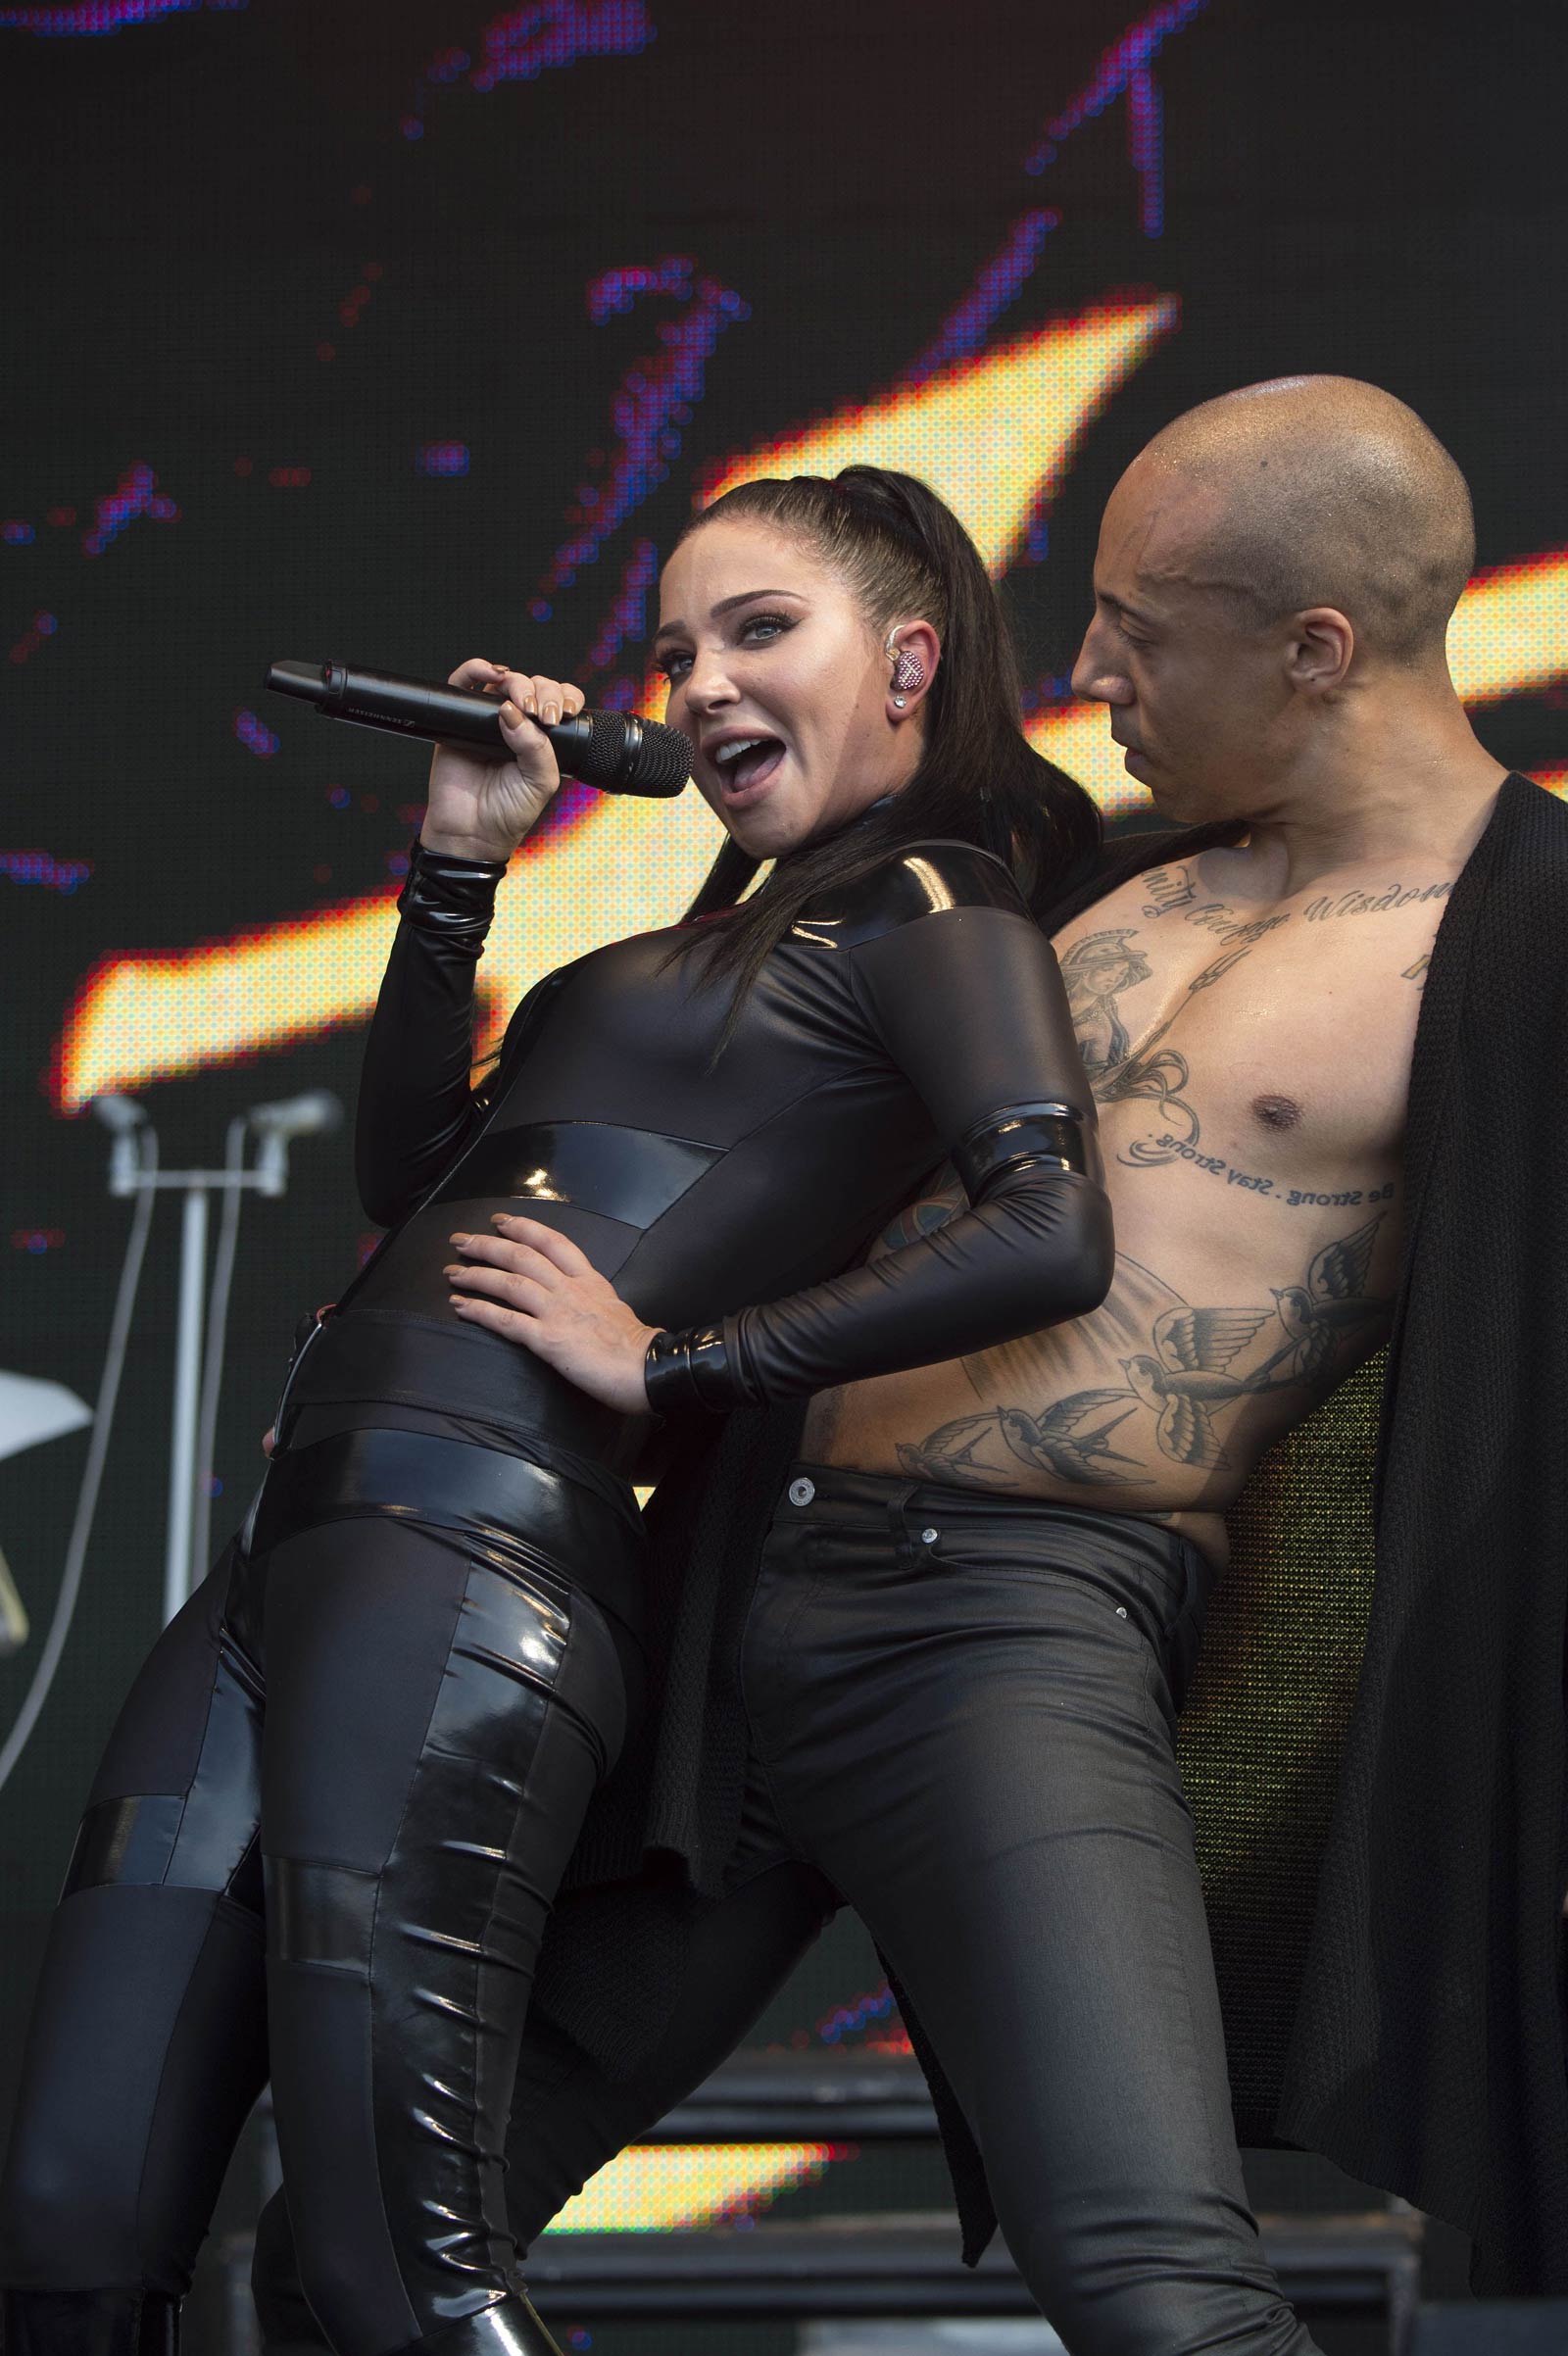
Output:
x=1186 y=1379
x=1070 y=1440
x=1333 y=1300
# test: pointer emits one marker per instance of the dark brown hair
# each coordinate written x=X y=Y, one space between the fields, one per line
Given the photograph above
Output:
x=905 y=555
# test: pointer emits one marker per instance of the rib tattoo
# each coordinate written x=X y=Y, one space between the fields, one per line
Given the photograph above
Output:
x=1201 y=1361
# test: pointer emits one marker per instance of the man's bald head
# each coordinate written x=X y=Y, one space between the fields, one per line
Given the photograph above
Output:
x=1315 y=491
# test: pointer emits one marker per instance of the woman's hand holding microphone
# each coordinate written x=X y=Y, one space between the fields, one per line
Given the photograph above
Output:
x=478 y=808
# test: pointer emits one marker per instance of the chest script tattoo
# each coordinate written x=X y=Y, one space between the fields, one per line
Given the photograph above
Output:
x=1201 y=1363
x=1294 y=1197
x=1172 y=891
x=1373 y=903
x=1101 y=967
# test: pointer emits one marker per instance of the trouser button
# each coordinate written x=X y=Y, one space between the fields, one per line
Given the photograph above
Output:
x=928 y=1538
x=801 y=1492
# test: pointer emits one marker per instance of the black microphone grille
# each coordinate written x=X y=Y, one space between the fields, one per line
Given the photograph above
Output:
x=658 y=764
x=665 y=758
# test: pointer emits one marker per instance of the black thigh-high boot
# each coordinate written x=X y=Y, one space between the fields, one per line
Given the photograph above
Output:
x=289 y=2329
x=569 y=2114
x=440 y=1706
x=88 y=2322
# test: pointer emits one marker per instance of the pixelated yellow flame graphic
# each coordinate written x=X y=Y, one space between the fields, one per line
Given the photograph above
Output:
x=625 y=869
x=657 y=2188
x=1510 y=630
x=995 y=435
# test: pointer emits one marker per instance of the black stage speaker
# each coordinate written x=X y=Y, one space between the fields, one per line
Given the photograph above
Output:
x=1491 y=2328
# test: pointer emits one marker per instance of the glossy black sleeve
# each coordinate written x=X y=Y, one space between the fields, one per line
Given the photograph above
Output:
x=417 y=1104
x=970 y=1002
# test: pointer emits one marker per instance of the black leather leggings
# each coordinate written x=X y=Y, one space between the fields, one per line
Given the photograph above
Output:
x=396 y=1727
x=962 y=1726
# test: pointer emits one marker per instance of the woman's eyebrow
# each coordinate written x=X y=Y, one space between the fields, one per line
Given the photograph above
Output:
x=725 y=605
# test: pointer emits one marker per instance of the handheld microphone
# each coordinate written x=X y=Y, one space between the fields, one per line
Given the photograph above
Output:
x=613 y=750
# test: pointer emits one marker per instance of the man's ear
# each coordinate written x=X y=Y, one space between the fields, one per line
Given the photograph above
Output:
x=1322 y=649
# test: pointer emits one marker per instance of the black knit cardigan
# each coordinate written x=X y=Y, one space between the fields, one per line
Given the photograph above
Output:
x=1414 y=2033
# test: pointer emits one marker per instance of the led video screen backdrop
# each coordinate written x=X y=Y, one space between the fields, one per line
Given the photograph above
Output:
x=397 y=333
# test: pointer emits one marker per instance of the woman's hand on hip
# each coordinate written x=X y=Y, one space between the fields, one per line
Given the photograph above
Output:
x=477 y=809
x=532 y=1285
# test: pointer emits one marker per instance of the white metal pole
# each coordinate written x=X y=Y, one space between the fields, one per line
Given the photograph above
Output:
x=213 y=1339
x=187 y=1383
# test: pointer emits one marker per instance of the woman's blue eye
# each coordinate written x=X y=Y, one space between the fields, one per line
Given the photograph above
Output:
x=676 y=665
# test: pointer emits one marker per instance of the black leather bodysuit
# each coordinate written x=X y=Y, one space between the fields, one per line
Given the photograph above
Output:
x=722 y=1189
x=388 y=1710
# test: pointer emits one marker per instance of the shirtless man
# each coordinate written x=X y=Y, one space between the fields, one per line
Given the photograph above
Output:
x=1247 y=1015
x=982 y=1585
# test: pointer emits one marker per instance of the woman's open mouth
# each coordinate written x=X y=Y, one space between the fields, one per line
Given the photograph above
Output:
x=745 y=767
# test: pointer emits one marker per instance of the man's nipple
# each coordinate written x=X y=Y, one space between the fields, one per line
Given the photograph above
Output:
x=1277 y=1113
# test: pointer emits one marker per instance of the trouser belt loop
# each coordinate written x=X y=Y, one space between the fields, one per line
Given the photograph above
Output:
x=898 y=1517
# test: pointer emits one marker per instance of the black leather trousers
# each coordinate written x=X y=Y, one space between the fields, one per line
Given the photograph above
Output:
x=962 y=1725
x=391 y=1726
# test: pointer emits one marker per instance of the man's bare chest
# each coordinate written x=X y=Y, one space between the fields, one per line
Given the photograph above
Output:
x=1267 y=1044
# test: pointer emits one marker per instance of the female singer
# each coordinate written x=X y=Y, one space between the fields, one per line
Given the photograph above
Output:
x=337 y=1808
